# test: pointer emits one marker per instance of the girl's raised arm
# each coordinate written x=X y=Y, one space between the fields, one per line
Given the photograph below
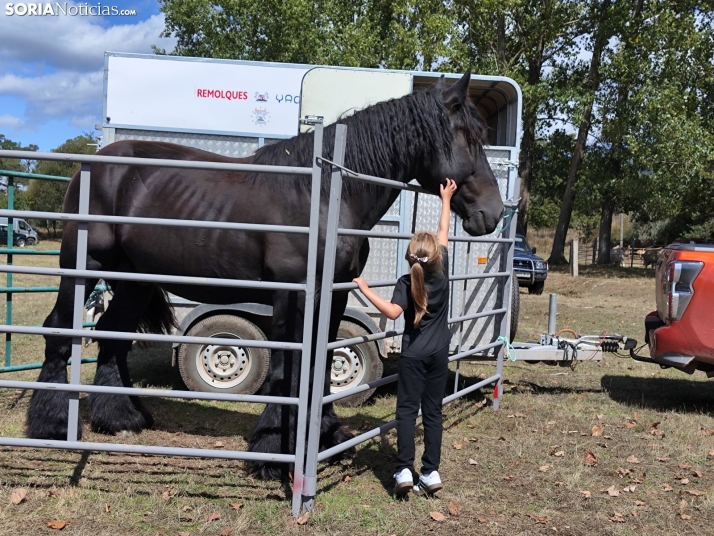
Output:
x=445 y=192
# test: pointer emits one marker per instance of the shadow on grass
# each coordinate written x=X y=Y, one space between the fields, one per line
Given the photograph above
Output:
x=662 y=394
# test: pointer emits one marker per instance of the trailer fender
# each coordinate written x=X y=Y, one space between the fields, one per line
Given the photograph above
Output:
x=367 y=323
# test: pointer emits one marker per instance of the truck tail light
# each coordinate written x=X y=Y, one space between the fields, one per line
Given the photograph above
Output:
x=680 y=277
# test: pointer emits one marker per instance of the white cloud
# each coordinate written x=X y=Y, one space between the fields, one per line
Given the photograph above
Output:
x=74 y=43
x=8 y=120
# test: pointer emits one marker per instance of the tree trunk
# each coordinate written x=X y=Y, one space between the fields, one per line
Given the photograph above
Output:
x=605 y=234
x=557 y=255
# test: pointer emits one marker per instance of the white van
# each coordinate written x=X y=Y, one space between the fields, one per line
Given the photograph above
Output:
x=24 y=234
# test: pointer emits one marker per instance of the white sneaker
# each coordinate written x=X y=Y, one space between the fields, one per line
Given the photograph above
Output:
x=428 y=483
x=403 y=482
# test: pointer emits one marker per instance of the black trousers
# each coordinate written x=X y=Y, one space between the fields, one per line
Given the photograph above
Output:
x=422 y=380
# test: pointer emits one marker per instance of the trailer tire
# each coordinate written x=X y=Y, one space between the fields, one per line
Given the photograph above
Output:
x=354 y=365
x=224 y=369
x=515 y=308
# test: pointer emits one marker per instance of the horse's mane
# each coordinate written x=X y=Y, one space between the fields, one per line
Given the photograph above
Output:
x=384 y=139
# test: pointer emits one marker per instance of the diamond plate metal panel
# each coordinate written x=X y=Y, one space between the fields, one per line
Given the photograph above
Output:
x=233 y=146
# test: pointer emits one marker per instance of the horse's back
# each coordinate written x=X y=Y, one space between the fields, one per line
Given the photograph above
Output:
x=162 y=150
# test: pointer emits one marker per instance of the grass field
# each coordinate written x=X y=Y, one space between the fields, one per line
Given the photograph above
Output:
x=519 y=470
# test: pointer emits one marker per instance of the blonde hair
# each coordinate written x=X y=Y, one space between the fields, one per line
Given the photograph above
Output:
x=423 y=256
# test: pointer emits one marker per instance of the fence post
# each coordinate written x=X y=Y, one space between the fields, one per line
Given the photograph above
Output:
x=10 y=246
x=594 y=251
x=552 y=313
x=574 y=257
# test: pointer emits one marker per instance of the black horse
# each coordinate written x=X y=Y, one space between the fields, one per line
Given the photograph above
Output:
x=427 y=135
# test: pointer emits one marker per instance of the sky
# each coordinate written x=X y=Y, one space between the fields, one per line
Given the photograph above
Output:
x=51 y=67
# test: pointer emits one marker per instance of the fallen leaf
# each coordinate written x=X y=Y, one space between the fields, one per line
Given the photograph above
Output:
x=184 y=534
x=630 y=424
x=218 y=445
x=18 y=495
x=684 y=466
x=226 y=532
x=107 y=508
x=694 y=492
x=684 y=481
x=607 y=436
x=508 y=477
x=667 y=487
x=472 y=461
x=559 y=454
x=600 y=417
x=685 y=516
x=213 y=516
x=617 y=518
x=52 y=493
x=586 y=494
x=710 y=453
x=590 y=459
x=638 y=503
x=166 y=495
x=236 y=506
x=635 y=416
x=696 y=473
x=596 y=431
x=538 y=519
x=458 y=446
x=520 y=415
x=543 y=468
x=612 y=492
x=630 y=488
x=664 y=459
x=559 y=484
x=57 y=525
x=348 y=478
x=303 y=518
x=482 y=520
x=623 y=472
x=186 y=508
x=635 y=513
x=455 y=508
x=632 y=459
x=501 y=438
x=437 y=516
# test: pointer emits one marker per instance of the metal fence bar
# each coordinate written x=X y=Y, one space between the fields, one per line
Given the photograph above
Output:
x=476 y=349
x=35 y=366
x=408 y=236
x=78 y=309
x=461 y=324
x=152 y=278
x=155 y=162
x=167 y=222
x=364 y=387
x=392 y=282
x=154 y=337
x=39 y=176
x=328 y=273
x=471 y=388
x=142 y=391
x=308 y=322
x=474 y=316
x=8 y=279
x=23 y=251
x=18 y=290
x=364 y=338
x=142 y=449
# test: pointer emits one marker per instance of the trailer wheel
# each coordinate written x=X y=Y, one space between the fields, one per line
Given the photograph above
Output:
x=354 y=365
x=217 y=368
x=515 y=308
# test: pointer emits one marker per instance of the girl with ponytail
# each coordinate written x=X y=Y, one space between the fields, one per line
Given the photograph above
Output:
x=423 y=296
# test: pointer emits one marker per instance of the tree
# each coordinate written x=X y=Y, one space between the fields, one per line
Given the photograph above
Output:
x=527 y=40
x=14 y=164
x=47 y=196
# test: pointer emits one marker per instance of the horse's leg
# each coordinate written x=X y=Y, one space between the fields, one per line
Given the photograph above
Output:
x=112 y=413
x=331 y=431
x=275 y=430
x=49 y=410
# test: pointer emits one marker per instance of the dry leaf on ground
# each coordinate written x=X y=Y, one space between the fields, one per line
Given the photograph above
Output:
x=630 y=489
x=685 y=516
x=684 y=466
x=694 y=492
x=613 y=492
x=18 y=495
x=226 y=532
x=633 y=459
x=458 y=446
x=348 y=478
x=166 y=495
x=438 y=516
x=544 y=468
x=236 y=506
x=538 y=519
x=623 y=472
x=586 y=494
x=472 y=461
x=303 y=518
x=630 y=424
x=696 y=473
x=455 y=508
x=218 y=445
x=559 y=454
x=509 y=477
x=667 y=487
x=617 y=518
x=596 y=431
x=213 y=516
x=684 y=481
x=590 y=459
x=184 y=534
x=638 y=503
x=664 y=459
x=57 y=525
x=710 y=453
x=107 y=508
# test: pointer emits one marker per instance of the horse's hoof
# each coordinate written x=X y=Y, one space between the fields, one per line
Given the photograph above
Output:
x=116 y=414
x=47 y=416
x=268 y=470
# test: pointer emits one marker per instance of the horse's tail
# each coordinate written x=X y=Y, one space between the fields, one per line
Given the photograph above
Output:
x=159 y=315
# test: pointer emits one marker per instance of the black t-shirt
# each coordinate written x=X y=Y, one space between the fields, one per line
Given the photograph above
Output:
x=433 y=331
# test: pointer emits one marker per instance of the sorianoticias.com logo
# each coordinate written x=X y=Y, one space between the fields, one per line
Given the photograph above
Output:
x=56 y=9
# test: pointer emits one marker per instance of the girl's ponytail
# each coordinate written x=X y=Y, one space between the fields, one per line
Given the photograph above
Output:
x=423 y=255
x=418 y=292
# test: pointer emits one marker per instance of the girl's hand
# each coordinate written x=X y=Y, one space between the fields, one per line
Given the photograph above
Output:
x=361 y=283
x=447 y=190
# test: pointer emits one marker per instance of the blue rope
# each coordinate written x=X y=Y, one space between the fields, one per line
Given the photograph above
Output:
x=506 y=223
x=510 y=350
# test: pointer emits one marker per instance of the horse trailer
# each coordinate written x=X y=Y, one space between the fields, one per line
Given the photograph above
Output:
x=235 y=107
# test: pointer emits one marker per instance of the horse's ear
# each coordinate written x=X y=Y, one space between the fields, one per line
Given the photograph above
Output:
x=440 y=83
x=455 y=96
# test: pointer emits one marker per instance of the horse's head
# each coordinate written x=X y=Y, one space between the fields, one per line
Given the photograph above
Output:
x=478 y=200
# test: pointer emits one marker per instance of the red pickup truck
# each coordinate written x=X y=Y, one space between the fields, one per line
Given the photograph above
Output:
x=680 y=333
